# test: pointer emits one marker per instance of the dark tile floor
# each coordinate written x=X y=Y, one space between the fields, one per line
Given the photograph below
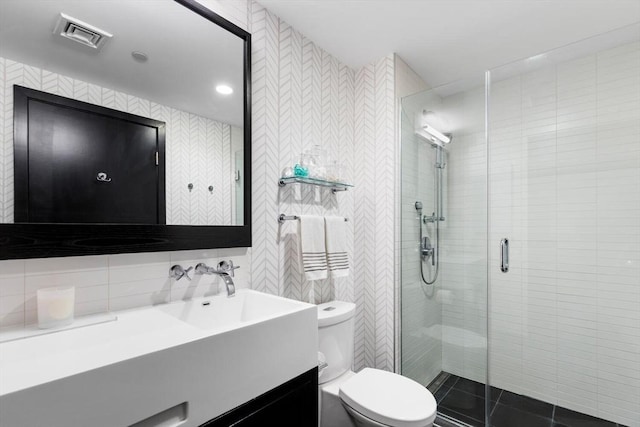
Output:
x=464 y=400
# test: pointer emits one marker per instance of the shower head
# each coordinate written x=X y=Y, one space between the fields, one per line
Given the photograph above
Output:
x=435 y=133
x=429 y=122
x=418 y=206
x=427 y=133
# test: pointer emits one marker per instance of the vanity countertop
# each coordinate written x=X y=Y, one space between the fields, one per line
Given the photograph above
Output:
x=40 y=359
x=257 y=342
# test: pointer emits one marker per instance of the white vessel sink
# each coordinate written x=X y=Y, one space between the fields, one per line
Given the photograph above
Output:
x=212 y=353
x=222 y=312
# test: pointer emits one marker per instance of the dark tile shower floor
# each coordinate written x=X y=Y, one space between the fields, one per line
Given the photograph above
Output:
x=463 y=400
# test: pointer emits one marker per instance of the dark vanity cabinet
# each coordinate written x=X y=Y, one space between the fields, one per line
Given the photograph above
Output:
x=292 y=404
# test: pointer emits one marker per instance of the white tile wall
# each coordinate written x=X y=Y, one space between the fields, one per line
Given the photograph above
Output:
x=464 y=241
x=565 y=188
x=110 y=282
x=12 y=291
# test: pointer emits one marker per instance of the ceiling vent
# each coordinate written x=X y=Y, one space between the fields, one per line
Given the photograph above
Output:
x=81 y=32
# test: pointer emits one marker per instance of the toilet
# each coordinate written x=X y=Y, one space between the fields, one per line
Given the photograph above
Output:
x=371 y=397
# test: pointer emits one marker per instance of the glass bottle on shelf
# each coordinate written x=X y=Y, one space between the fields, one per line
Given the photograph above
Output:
x=335 y=172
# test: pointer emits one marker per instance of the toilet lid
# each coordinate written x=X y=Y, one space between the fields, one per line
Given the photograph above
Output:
x=389 y=398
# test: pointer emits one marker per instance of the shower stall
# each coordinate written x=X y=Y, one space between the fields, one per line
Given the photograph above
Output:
x=520 y=240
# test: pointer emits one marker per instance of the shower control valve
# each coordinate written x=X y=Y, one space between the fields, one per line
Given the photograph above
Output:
x=432 y=218
x=426 y=250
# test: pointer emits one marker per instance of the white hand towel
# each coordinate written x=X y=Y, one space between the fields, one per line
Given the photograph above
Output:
x=313 y=255
x=337 y=256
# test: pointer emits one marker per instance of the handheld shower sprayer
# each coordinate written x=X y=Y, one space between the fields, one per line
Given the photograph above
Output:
x=429 y=127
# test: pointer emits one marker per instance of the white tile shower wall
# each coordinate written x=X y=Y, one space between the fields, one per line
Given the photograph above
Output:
x=463 y=292
x=421 y=310
x=186 y=134
x=565 y=188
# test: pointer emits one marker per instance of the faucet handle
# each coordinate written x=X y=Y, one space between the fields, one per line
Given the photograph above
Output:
x=227 y=267
x=177 y=272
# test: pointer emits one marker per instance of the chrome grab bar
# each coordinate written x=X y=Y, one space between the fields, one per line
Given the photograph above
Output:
x=504 y=255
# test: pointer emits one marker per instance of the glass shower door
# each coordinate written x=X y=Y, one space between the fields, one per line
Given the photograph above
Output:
x=444 y=324
x=564 y=179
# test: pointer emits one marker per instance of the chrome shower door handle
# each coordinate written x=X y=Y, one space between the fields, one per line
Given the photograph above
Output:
x=504 y=255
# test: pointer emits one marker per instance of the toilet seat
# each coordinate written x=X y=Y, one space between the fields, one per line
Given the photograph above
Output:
x=389 y=399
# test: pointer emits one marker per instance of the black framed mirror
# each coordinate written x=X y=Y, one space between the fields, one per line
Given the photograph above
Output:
x=131 y=128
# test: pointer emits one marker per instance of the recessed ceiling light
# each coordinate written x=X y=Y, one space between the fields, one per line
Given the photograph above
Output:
x=139 y=56
x=224 y=89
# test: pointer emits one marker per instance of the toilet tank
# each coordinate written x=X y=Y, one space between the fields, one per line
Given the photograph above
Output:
x=335 y=337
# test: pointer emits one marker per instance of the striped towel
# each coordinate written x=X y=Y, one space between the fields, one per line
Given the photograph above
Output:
x=313 y=257
x=337 y=256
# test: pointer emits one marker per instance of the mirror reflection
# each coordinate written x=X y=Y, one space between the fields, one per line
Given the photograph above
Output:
x=121 y=114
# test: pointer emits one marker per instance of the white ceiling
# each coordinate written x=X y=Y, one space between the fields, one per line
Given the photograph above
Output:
x=449 y=40
x=188 y=55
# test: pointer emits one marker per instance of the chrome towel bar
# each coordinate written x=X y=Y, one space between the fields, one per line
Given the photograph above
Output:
x=282 y=218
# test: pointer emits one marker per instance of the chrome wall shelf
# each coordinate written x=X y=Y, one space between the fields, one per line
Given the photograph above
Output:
x=334 y=186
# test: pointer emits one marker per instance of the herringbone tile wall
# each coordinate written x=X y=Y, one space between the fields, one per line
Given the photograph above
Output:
x=302 y=96
x=200 y=143
x=374 y=258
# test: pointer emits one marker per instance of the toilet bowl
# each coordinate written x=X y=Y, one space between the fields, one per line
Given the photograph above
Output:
x=371 y=397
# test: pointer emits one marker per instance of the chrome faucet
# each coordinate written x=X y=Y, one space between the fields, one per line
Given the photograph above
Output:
x=202 y=268
x=225 y=270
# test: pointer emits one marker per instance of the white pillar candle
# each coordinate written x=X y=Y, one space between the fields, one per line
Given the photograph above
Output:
x=55 y=307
